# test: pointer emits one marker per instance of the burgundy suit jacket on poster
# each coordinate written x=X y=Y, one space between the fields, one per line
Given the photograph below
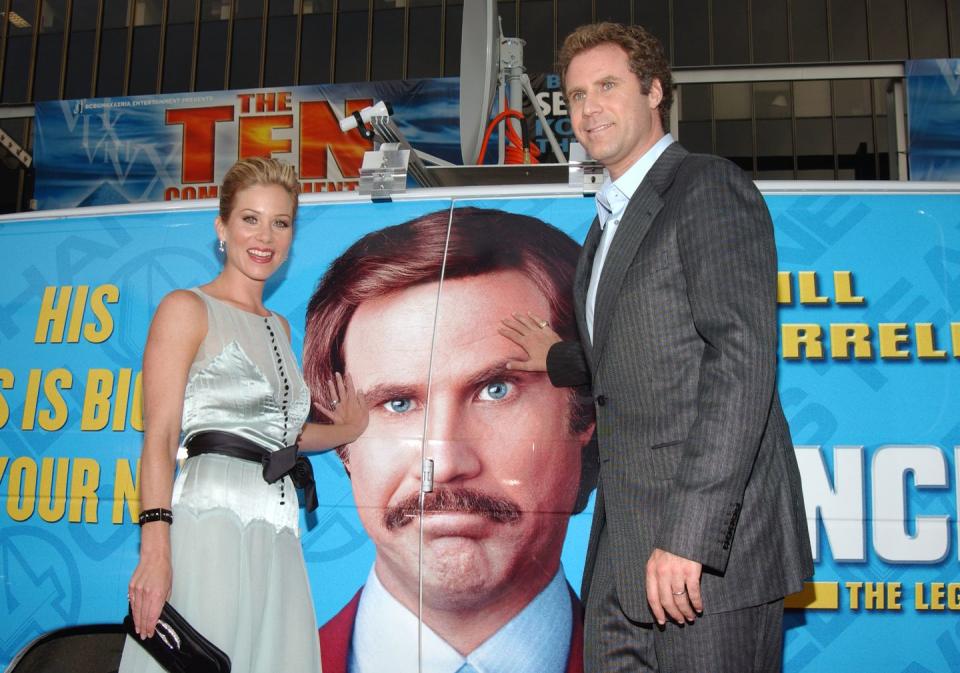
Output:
x=335 y=637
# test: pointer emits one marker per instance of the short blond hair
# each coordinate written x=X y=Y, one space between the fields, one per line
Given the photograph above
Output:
x=257 y=171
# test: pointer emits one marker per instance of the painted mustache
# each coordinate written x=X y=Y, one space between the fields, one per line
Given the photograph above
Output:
x=468 y=501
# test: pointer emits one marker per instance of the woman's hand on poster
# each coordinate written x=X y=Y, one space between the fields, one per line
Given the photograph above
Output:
x=346 y=405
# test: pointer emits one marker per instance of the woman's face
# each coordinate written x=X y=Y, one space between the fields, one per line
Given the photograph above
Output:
x=259 y=230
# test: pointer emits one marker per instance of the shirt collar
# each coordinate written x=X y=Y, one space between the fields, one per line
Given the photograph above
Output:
x=541 y=632
x=614 y=196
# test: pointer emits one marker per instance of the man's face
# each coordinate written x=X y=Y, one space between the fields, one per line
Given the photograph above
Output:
x=612 y=117
x=500 y=441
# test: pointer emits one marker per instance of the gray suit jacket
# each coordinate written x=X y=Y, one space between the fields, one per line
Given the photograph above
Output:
x=695 y=453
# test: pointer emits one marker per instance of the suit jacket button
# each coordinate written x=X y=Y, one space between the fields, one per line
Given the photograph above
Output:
x=601 y=400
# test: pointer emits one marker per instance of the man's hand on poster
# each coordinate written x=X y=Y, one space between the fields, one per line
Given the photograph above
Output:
x=534 y=335
x=673 y=587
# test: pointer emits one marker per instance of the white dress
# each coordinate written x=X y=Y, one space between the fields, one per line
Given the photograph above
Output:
x=238 y=571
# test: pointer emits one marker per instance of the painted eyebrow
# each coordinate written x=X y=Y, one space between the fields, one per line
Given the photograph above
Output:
x=497 y=371
x=391 y=391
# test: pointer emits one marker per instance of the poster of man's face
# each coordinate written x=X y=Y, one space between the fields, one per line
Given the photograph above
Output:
x=506 y=462
x=411 y=312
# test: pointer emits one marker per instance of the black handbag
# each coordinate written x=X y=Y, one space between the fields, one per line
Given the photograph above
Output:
x=178 y=647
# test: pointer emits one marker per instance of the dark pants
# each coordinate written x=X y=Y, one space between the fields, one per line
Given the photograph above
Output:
x=739 y=641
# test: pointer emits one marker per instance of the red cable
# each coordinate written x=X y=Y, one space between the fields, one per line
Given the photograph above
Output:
x=513 y=153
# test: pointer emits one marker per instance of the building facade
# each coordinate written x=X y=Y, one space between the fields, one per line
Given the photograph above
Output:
x=777 y=129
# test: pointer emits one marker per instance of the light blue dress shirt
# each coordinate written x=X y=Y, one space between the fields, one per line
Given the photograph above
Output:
x=612 y=201
x=536 y=640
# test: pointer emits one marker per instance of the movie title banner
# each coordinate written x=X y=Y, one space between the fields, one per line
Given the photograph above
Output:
x=933 y=105
x=171 y=147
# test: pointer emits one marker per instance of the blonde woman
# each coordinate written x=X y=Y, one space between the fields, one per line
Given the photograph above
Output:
x=222 y=543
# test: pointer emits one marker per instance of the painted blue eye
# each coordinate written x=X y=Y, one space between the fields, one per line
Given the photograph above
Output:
x=495 y=391
x=399 y=405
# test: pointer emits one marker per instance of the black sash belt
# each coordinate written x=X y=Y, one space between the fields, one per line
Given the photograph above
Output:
x=276 y=464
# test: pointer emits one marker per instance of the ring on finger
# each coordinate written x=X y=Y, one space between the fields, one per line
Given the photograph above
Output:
x=334 y=403
x=542 y=323
x=679 y=593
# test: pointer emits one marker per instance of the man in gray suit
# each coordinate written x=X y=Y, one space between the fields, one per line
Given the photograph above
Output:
x=699 y=528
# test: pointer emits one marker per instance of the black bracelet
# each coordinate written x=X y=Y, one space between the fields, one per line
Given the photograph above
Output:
x=157 y=514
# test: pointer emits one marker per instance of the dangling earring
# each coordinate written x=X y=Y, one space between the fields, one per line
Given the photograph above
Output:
x=222 y=246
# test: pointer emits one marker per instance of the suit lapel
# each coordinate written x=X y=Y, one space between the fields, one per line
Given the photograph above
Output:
x=637 y=219
x=337 y=635
x=581 y=283
x=575 y=657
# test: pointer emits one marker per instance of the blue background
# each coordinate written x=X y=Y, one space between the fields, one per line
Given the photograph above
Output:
x=904 y=252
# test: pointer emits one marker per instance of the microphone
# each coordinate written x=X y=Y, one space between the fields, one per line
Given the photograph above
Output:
x=380 y=109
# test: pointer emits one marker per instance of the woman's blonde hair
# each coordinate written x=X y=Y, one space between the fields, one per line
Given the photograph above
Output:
x=257 y=171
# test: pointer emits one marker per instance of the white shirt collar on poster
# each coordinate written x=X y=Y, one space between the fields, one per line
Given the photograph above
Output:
x=536 y=640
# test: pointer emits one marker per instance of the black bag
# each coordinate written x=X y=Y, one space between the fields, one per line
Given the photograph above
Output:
x=178 y=647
